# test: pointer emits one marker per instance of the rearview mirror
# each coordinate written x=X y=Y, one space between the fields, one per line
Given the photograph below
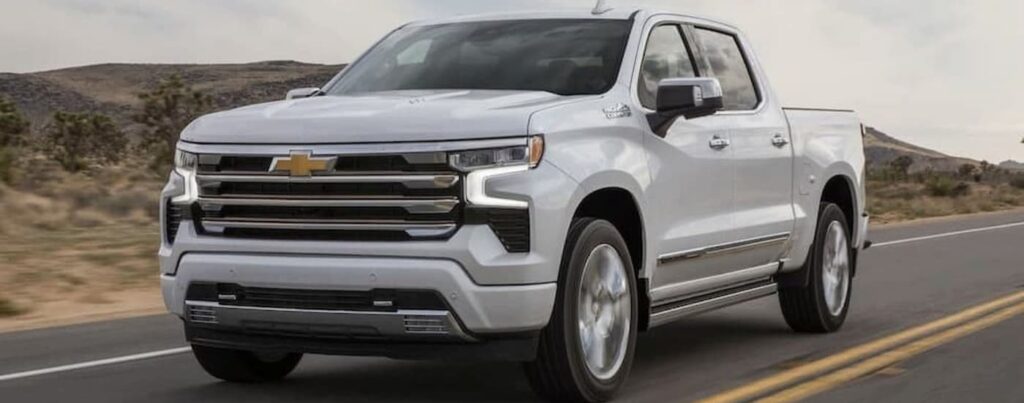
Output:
x=688 y=97
x=302 y=93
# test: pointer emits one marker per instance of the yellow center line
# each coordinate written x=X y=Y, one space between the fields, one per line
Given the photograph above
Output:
x=889 y=358
x=789 y=377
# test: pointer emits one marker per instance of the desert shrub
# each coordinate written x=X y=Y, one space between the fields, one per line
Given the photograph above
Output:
x=165 y=112
x=77 y=139
x=1017 y=182
x=967 y=170
x=942 y=186
x=901 y=165
x=6 y=165
x=13 y=127
x=8 y=308
x=13 y=124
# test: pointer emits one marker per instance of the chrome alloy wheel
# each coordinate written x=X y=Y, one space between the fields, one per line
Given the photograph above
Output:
x=604 y=309
x=835 y=266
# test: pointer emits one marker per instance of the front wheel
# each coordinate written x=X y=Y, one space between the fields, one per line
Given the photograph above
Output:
x=245 y=366
x=821 y=305
x=586 y=351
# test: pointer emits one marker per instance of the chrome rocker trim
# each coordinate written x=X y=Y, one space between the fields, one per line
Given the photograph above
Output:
x=731 y=247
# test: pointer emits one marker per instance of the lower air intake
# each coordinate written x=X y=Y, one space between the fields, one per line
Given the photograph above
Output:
x=202 y=314
x=415 y=324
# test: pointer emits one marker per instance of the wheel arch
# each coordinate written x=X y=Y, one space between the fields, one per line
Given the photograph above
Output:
x=618 y=206
x=621 y=208
x=841 y=191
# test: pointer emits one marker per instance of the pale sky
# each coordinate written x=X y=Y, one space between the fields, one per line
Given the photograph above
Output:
x=945 y=74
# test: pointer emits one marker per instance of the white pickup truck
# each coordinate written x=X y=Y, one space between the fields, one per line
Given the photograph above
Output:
x=534 y=187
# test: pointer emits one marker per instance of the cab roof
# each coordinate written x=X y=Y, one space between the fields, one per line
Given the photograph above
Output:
x=618 y=13
x=613 y=14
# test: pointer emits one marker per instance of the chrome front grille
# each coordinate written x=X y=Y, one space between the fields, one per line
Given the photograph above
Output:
x=364 y=197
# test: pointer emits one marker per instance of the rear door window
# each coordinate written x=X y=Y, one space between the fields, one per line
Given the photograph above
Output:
x=728 y=64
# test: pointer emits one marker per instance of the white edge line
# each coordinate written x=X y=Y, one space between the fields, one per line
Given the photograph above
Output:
x=945 y=235
x=97 y=363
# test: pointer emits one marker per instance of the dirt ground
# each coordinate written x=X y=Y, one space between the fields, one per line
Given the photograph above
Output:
x=78 y=275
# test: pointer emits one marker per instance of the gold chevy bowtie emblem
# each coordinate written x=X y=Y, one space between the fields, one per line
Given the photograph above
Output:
x=302 y=163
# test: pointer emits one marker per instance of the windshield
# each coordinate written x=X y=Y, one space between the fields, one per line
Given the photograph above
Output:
x=566 y=57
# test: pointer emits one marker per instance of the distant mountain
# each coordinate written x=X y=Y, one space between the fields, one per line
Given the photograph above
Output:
x=881 y=148
x=113 y=88
x=1012 y=165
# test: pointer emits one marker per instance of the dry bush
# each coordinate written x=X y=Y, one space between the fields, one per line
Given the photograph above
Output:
x=1017 y=182
x=9 y=308
x=943 y=186
x=76 y=140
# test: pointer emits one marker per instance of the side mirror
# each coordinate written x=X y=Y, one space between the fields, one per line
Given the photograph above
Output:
x=688 y=97
x=302 y=93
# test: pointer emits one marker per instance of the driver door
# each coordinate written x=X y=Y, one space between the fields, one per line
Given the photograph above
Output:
x=692 y=173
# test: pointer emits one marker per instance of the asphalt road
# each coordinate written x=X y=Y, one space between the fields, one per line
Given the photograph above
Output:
x=900 y=285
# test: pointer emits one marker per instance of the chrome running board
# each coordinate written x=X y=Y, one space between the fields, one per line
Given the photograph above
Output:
x=668 y=313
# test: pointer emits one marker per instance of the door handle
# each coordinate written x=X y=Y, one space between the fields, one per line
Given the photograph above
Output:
x=779 y=140
x=718 y=143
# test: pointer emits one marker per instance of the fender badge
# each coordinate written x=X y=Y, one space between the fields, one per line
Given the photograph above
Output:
x=618 y=111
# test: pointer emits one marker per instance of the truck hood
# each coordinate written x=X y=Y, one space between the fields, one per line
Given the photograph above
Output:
x=405 y=116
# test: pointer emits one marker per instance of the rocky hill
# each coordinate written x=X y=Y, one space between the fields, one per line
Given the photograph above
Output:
x=1012 y=165
x=881 y=148
x=112 y=89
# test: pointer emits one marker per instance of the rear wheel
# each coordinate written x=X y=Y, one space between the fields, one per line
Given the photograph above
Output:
x=245 y=366
x=586 y=351
x=821 y=305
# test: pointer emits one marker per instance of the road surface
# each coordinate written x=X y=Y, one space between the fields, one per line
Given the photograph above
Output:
x=924 y=274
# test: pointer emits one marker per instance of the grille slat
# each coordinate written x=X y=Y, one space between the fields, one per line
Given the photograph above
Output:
x=512 y=227
x=229 y=294
x=378 y=197
x=173 y=220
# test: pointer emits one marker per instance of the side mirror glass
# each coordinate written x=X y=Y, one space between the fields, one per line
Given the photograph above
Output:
x=302 y=93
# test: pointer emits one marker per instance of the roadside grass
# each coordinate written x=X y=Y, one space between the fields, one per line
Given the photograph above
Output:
x=75 y=264
x=899 y=201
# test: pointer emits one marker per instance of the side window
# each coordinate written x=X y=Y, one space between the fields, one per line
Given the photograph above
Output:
x=729 y=66
x=666 y=57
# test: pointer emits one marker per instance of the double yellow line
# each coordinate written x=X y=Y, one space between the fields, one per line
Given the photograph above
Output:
x=827 y=373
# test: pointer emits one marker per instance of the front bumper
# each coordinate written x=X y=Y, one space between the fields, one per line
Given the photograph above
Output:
x=475 y=311
x=517 y=347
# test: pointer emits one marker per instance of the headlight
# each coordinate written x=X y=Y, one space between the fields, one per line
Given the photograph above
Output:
x=528 y=154
x=482 y=165
x=185 y=165
x=185 y=161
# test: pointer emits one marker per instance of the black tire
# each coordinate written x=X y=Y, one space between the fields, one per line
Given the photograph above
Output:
x=804 y=306
x=560 y=372
x=245 y=366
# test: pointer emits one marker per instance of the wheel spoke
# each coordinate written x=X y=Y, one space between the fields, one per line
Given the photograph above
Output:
x=835 y=267
x=597 y=349
x=604 y=311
